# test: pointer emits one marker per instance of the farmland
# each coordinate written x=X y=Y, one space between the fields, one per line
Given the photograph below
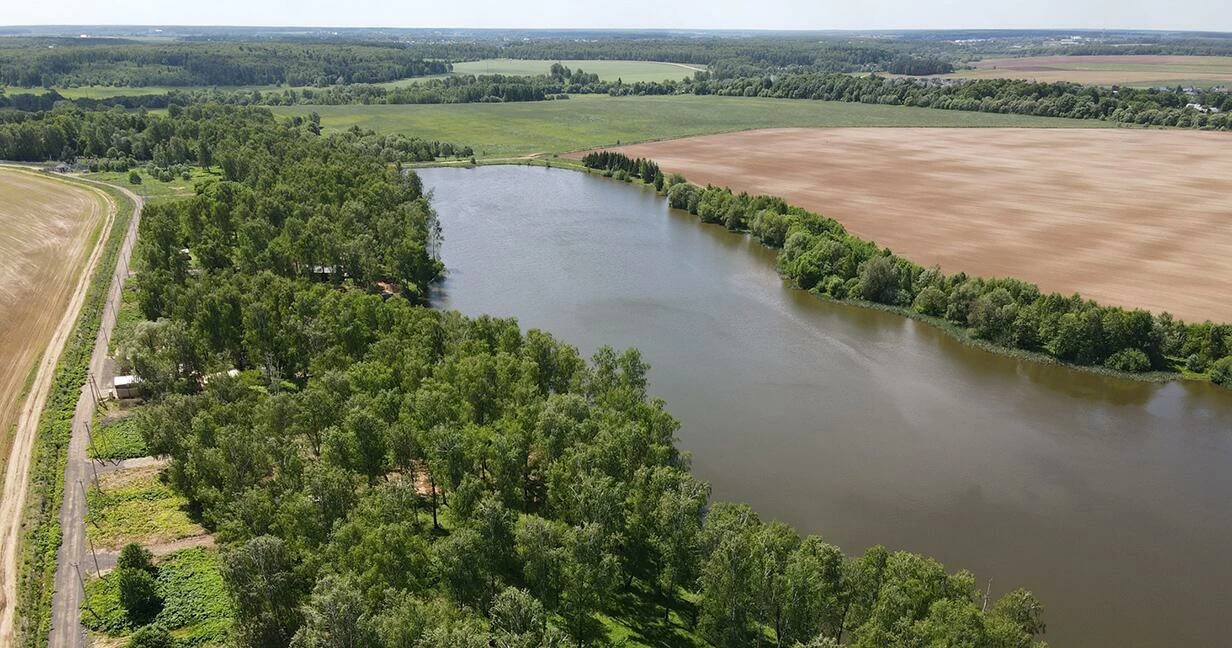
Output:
x=1051 y=207
x=627 y=71
x=1133 y=70
x=515 y=129
x=47 y=228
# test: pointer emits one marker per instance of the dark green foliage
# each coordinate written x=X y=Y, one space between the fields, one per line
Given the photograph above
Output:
x=152 y=636
x=134 y=556
x=137 y=594
x=65 y=62
x=1221 y=371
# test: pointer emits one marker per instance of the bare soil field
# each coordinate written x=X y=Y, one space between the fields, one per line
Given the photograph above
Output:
x=47 y=228
x=1138 y=218
x=1134 y=70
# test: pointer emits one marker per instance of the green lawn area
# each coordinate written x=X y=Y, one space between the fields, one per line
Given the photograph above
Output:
x=627 y=71
x=588 y=121
x=135 y=506
x=195 y=605
x=118 y=439
x=151 y=189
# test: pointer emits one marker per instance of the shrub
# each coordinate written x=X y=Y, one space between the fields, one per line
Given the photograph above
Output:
x=134 y=178
x=1130 y=360
x=930 y=301
x=152 y=636
x=1221 y=371
x=879 y=280
x=134 y=556
x=1195 y=363
x=137 y=594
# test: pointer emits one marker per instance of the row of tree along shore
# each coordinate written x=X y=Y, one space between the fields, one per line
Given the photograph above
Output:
x=819 y=255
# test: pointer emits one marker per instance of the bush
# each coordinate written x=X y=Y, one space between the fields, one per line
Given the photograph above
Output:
x=134 y=178
x=134 y=556
x=152 y=636
x=1221 y=371
x=930 y=301
x=1195 y=363
x=879 y=280
x=137 y=594
x=1130 y=360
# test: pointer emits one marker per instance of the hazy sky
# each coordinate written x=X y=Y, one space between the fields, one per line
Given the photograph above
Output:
x=711 y=14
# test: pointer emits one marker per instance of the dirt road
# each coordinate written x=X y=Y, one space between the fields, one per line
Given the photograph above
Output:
x=1129 y=217
x=16 y=485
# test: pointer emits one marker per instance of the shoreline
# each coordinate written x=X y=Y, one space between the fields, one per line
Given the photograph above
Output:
x=950 y=329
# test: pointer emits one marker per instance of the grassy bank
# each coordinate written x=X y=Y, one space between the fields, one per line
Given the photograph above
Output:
x=590 y=121
x=42 y=534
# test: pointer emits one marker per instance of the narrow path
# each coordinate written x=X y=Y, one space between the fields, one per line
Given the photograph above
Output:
x=66 y=630
x=17 y=477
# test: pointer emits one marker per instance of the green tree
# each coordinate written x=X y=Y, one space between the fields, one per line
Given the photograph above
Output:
x=264 y=592
x=138 y=594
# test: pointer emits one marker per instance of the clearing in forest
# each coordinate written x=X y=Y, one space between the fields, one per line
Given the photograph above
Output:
x=1136 y=218
x=1132 y=70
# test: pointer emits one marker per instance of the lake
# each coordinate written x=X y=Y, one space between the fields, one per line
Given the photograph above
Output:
x=1106 y=497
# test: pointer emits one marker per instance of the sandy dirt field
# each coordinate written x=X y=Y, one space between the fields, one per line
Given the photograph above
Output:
x=1138 y=218
x=1106 y=70
x=45 y=228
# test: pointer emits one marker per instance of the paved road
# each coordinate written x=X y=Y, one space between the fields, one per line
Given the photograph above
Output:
x=71 y=563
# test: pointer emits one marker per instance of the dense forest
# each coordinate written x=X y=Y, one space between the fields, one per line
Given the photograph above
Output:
x=32 y=63
x=384 y=474
x=818 y=255
x=118 y=138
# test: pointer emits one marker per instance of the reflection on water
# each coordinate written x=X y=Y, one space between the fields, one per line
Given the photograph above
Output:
x=1106 y=497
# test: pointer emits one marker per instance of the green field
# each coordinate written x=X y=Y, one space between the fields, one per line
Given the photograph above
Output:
x=627 y=71
x=588 y=121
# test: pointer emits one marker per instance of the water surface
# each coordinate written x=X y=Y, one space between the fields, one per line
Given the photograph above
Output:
x=1108 y=498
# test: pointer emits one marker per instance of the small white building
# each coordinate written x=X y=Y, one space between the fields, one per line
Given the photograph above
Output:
x=127 y=387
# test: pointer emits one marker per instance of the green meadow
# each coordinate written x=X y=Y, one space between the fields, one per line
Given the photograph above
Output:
x=587 y=121
x=627 y=71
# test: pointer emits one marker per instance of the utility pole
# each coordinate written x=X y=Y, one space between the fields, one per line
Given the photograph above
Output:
x=95 y=554
x=84 y=598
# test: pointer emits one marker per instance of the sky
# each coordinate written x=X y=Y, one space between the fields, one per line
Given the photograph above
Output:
x=1208 y=15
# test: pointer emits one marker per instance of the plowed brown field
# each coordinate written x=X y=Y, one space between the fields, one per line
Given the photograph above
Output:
x=1138 y=218
x=46 y=227
x=1130 y=69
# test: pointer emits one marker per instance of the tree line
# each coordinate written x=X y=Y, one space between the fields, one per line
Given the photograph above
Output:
x=384 y=474
x=43 y=62
x=820 y=256
x=115 y=137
